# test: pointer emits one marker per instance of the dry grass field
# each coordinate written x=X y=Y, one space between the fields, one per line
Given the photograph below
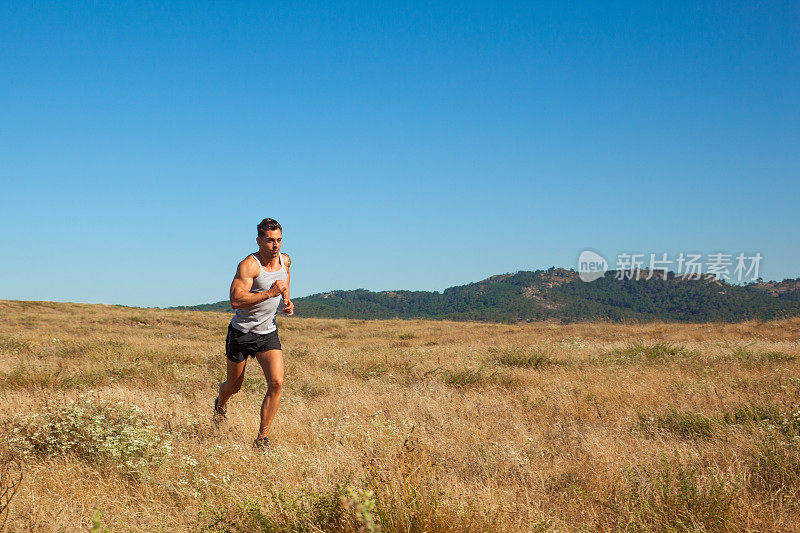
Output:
x=398 y=425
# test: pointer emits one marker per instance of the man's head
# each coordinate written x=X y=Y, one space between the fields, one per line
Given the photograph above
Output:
x=266 y=225
x=269 y=235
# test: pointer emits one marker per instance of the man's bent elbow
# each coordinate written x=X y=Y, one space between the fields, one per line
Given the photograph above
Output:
x=236 y=300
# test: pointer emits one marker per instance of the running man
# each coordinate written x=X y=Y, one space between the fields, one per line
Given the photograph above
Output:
x=261 y=279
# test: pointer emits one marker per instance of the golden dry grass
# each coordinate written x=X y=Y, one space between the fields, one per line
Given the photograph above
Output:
x=451 y=426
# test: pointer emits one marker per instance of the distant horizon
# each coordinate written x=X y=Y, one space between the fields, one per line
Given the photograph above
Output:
x=478 y=281
x=764 y=280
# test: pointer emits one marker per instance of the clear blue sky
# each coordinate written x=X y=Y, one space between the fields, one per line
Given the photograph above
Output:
x=401 y=145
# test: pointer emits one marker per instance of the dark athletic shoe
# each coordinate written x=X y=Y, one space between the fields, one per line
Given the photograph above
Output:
x=220 y=416
x=261 y=443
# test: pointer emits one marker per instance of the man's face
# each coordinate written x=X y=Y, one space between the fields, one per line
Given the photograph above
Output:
x=270 y=242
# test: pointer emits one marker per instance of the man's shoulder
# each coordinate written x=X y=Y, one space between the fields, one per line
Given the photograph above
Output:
x=286 y=259
x=249 y=265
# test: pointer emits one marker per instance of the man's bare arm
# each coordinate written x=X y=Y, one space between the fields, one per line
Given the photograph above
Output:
x=288 y=306
x=241 y=297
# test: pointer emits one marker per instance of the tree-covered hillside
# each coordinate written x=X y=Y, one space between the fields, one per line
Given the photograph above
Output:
x=558 y=293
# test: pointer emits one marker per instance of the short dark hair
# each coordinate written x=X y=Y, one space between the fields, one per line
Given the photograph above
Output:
x=268 y=224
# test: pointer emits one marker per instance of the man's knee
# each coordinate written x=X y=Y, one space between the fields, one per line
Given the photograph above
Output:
x=274 y=385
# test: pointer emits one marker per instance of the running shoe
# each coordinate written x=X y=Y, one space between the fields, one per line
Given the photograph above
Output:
x=220 y=415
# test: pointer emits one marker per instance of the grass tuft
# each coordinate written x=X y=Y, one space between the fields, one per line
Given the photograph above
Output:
x=13 y=345
x=464 y=377
x=684 y=424
x=524 y=358
x=339 y=507
x=669 y=495
x=775 y=466
x=408 y=493
x=750 y=358
x=310 y=390
x=11 y=474
x=27 y=377
x=768 y=416
x=660 y=352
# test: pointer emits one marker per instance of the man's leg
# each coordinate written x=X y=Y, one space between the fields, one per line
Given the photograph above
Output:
x=271 y=362
x=229 y=387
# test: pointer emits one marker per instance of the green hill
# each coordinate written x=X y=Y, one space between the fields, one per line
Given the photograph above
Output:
x=559 y=294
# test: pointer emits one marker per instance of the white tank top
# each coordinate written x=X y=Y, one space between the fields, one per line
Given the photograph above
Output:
x=261 y=317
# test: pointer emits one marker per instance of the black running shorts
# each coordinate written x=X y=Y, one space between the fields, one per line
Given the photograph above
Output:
x=238 y=345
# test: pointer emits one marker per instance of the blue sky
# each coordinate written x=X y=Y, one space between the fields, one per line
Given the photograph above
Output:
x=401 y=145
